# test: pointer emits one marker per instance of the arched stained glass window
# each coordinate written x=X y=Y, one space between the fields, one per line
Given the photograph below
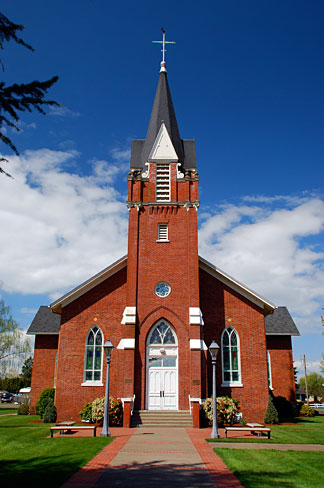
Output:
x=163 y=335
x=231 y=357
x=93 y=355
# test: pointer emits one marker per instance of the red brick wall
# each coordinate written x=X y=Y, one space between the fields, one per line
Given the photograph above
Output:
x=282 y=369
x=221 y=307
x=102 y=306
x=43 y=366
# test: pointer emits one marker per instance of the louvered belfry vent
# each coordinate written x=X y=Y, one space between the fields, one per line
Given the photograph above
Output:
x=163 y=232
x=162 y=182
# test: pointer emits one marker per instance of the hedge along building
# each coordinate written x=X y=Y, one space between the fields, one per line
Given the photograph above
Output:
x=162 y=304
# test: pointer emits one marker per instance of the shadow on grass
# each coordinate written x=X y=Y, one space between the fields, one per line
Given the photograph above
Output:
x=39 y=472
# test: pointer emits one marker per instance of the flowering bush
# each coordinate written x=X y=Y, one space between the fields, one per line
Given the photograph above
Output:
x=96 y=414
x=307 y=411
x=226 y=409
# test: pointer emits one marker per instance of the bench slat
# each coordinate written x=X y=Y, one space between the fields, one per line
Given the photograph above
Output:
x=74 y=427
x=249 y=429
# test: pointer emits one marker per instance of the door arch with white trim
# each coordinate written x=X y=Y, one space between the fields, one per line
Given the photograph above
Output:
x=162 y=368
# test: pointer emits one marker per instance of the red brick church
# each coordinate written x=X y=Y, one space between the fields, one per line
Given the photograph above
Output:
x=162 y=305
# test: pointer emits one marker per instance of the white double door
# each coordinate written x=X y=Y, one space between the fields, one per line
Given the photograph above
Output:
x=162 y=389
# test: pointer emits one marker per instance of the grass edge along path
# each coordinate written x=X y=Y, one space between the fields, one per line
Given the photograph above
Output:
x=260 y=468
x=28 y=453
x=302 y=431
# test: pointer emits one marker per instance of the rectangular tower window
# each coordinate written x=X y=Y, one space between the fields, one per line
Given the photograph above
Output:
x=163 y=234
x=162 y=182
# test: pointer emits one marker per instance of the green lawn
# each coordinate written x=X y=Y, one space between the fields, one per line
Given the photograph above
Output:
x=6 y=410
x=27 y=455
x=303 y=431
x=265 y=468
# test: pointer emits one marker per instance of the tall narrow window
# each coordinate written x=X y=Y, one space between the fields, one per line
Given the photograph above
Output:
x=163 y=234
x=269 y=370
x=162 y=182
x=231 y=357
x=93 y=355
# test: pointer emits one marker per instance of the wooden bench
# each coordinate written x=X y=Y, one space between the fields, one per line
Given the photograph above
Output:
x=65 y=426
x=68 y=429
x=248 y=429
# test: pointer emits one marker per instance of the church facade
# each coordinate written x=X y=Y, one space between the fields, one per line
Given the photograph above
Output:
x=162 y=305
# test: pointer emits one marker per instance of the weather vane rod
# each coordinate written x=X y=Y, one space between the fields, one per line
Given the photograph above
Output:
x=163 y=50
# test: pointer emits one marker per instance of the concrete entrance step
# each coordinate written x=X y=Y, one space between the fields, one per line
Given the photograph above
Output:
x=164 y=418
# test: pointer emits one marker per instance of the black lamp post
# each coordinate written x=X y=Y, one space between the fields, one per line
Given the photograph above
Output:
x=108 y=348
x=213 y=349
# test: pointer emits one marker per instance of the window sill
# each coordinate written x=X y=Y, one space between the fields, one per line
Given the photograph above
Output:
x=239 y=385
x=162 y=240
x=92 y=383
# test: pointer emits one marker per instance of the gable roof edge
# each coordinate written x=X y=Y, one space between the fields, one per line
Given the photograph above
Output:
x=228 y=280
x=87 y=285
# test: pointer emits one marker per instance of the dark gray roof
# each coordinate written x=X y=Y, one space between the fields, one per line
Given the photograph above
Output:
x=45 y=322
x=280 y=322
x=163 y=111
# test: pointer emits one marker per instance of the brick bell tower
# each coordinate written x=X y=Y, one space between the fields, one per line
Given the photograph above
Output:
x=162 y=318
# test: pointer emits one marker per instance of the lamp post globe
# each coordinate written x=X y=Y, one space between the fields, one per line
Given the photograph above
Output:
x=108 y=348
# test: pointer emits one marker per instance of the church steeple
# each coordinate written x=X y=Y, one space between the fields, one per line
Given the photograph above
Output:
x=163 y=112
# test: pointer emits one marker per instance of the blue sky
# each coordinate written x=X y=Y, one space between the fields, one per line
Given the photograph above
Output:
x=247 y=81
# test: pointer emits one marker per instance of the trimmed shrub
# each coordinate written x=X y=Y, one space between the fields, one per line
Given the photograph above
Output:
x=226 y=409
x=307 y=411
x=50 y=413
x=23 y=409
x=271 y=415
x=43 y=400
x=86 y=412
x=115 y=410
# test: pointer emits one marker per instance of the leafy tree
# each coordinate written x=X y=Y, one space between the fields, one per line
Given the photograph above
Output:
x=27 y=368
x=322 y=363
x=314 y=383
x=13 y=342
x=18 y=97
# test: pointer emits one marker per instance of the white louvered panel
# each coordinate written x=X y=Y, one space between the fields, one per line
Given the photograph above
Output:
x=162 y=182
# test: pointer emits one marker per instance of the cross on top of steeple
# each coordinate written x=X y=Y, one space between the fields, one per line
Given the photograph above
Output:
x=163 y=50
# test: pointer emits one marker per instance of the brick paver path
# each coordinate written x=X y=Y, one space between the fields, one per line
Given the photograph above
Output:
x=150 y=457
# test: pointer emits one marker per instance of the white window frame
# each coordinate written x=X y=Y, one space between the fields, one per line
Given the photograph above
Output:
x=269 y=370
x=163 y=232
x=231 y=383
x=92 y=382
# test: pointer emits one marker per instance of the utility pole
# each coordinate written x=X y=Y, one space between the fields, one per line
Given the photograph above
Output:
x=306 y=385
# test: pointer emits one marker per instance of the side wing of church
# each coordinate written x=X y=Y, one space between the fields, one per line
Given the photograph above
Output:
x=162 y=305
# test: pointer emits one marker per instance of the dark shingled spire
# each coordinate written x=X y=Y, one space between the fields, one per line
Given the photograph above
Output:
x=163 y=111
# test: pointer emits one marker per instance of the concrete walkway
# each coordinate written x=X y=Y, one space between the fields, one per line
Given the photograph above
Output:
x=179 y=457
x=150 y=457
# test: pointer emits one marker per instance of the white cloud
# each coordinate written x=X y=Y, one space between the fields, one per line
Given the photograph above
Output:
x=62 y=111
x=28 y=311
x=271 y=251
x=311 y=367
x=59 y=228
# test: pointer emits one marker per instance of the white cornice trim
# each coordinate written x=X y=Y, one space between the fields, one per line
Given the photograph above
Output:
x=88 y=285
x=257 y=299
x=198 y=344
x=126 y=344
